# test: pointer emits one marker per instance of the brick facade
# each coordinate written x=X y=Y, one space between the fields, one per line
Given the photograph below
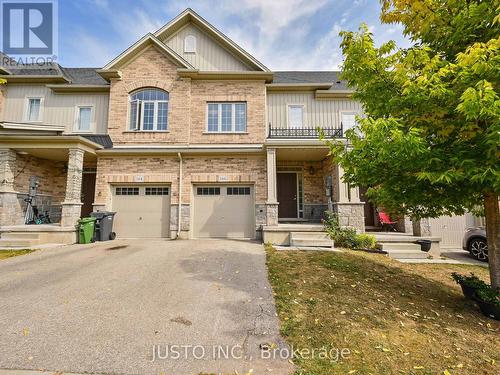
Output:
x=123 y=170
x=187 y=104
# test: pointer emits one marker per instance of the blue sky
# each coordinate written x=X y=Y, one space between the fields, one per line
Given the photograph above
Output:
x=282 y=34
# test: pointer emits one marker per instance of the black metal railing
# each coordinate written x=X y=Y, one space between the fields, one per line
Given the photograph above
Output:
x=309 y=132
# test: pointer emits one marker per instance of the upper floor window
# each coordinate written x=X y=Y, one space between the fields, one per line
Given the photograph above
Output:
x=190 y=44
x=34 y=109
x=229 y=117
x=348 y=120
x=149 y=110
x=295 y=116
x=84 y=118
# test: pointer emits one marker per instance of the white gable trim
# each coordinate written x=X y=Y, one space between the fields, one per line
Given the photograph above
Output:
x=190 y=15
x=142 y=43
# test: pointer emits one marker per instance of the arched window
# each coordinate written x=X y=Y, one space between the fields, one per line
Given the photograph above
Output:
x=149 y=110
x=190 y=44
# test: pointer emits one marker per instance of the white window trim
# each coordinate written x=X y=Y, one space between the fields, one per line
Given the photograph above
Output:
x=195 y=44
x=77 y=118
x=346 y=112
x=288 y=112
x=233 y=119
x=139 y=117
x=27 y=107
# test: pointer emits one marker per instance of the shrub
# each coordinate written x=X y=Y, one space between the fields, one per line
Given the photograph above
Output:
x=346 y=237
x=366 y=241
x=472 y=281
x=489 y=295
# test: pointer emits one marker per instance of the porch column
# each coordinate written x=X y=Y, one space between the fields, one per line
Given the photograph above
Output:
x=348 y=205
x=343 y=188
x=272 y=200
x=72 y=205
x=10 y=207
x=8 y=159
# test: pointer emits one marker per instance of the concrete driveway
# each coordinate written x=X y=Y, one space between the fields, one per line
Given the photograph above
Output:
x=122 y=307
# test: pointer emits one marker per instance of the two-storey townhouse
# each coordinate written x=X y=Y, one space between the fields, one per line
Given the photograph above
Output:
x=184 y=134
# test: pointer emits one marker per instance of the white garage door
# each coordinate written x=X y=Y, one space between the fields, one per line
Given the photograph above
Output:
x=451 y=229
x=141 y=211
x=224 y=211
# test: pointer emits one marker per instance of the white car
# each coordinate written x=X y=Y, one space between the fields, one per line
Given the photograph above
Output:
x=475 y=243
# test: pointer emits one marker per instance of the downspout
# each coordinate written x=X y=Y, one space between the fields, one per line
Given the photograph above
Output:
x=179 y=208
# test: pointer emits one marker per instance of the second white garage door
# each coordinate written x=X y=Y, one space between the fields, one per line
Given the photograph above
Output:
x=141 y=211
x=224 y=212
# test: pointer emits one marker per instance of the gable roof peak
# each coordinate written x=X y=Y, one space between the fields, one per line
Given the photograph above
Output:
x=189 y=15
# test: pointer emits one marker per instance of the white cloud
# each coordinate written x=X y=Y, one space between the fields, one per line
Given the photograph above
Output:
x=283 y=34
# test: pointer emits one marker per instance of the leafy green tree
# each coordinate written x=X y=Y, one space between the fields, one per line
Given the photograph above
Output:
x=429 y=144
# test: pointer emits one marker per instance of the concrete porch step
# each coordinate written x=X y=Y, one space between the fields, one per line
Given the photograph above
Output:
x=387 y=246
x=407 y=254
x=312 y=235
x=310 y=239
x=20 y=236
x=4 y=243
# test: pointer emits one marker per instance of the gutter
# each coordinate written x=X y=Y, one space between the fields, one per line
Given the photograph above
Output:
x=179 y=208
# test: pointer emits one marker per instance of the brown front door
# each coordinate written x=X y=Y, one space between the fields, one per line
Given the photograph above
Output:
x=287 y=195
x=369 y=209
x=88 y=191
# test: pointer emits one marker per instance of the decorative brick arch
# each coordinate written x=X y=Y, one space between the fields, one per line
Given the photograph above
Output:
x=144 y=83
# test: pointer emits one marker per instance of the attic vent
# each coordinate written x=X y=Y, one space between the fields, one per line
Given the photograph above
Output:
x=190 y=44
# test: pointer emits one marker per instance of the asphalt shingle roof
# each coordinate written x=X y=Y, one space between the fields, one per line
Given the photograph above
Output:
x=301 y=77
x=84 y=76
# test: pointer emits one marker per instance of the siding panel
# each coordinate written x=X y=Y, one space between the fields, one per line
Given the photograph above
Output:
x=209 y=55
x=322 y=112
x=58 y=109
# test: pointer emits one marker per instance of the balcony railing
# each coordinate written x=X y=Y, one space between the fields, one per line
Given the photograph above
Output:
x=309 y=132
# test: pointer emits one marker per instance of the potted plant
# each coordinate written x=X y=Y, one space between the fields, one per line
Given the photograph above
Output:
x=469 y=283
x=488 y=300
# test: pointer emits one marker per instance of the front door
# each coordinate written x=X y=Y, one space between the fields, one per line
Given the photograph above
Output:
x=287 y=195
x=88 y=191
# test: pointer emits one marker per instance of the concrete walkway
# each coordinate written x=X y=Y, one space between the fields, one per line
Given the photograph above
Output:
x=121 y=307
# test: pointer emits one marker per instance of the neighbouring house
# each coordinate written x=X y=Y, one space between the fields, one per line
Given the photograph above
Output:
x=184 y=134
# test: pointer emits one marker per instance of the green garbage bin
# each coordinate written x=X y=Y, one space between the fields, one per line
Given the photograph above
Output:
x=86 y=229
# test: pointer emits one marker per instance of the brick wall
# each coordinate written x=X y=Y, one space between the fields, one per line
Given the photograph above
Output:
x=165 y=169
x=51 y=175
x=149 y=69
x=314 y=184
x=187 y=103
x=2 y=100
x=251 y=92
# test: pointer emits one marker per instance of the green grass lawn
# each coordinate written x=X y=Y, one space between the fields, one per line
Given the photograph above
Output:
x=394 y=318
x=4 y=254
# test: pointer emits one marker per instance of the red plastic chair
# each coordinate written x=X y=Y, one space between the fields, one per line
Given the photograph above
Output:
x=386 y=222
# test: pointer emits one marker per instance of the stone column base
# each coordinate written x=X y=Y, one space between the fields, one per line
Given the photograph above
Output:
x=351 y=215
x=11 y=212
x=70 y=214
x=271 y=213
x=404 y=225
x=422 y=228
x=99 y=207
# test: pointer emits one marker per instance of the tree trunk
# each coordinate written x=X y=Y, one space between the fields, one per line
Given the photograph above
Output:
x=493 y=236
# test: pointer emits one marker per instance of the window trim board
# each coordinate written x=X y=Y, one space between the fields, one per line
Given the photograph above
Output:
x=77 y=118
x=27 y=106
x=302 y=105
x=219 y=118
